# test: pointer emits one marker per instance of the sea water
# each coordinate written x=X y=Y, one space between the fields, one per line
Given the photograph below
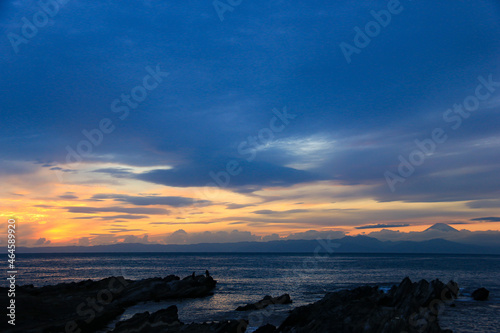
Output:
x=246 y=278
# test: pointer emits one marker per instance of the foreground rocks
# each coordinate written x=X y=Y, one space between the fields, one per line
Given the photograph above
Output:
x=481 y=294
x=265 y=302
x=89 y=305
x=167 y=320
x=409 y=307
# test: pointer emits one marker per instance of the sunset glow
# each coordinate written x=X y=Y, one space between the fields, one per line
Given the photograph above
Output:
x=233 y=128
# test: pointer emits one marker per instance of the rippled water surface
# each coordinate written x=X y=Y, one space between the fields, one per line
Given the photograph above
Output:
x=244 y=278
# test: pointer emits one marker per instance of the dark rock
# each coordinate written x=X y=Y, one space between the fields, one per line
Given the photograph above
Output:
x=268 y=328
x=90 y=305
x=409 y=307
x=231 y=326
x=481 y=294
x=266 y=301
x=144 y=322
x=167 y=320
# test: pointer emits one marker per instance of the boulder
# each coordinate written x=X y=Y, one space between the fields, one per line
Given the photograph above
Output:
x=481 y=294
x=144 y=321
x=266 y=301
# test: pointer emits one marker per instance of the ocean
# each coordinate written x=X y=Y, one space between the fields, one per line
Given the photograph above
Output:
x=246 y=278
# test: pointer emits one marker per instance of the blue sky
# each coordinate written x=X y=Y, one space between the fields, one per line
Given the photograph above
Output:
x=351 y=120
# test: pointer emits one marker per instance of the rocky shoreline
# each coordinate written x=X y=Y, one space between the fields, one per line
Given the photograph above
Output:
x=408 y=307
x=89 y=306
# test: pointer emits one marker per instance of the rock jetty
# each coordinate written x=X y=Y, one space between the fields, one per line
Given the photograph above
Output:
x=89 y=305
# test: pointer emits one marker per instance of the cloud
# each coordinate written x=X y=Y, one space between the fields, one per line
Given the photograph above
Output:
x=120 y=230
x=136 y=239
x=102 y=239
x=177 y=237
x=454 y=174
x=113 y=217
x=182 y=237
x=68 y=197
x=116 y=172
x=95 y=210
x=42 y=241
x=238 y=206
x=313 y=234
x=376 y=226
x=212 y=173
x=84 y=241
x=487 y=219
x=126 y=217
x=60 y=169
x=264 y=212
x=484 y=204
x=150 y=200
x=274 y=212
x=271 y=237
x=176 y=223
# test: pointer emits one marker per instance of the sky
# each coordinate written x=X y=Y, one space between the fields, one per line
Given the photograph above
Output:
x=152 y=121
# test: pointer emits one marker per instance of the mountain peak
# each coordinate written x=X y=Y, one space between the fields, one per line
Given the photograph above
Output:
x=441 y=227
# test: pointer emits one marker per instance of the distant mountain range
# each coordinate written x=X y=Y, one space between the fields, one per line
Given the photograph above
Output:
x=440 y=238
x=347 y=244
x=481 y=239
